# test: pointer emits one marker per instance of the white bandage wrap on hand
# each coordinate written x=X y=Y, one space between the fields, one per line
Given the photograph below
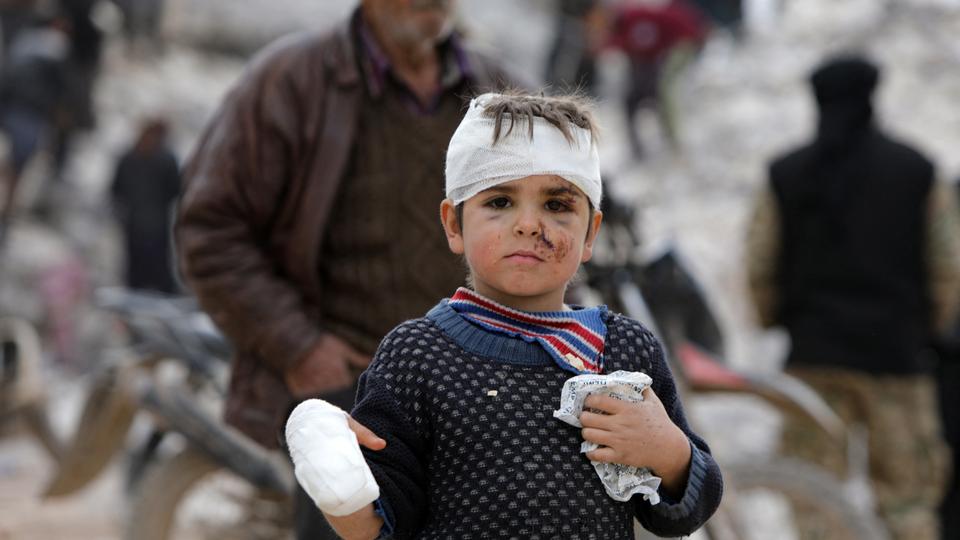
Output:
x=327 y=460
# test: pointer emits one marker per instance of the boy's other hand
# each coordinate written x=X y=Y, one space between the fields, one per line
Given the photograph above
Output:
x=365 y=436
x=637 y=434
x=325 y=368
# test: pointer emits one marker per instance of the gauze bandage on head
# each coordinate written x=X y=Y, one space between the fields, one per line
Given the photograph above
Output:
x=476 y=163
x=327 y=460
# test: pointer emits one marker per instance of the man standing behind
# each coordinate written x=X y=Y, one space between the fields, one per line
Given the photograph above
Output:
x=145 y=185
x=853 y=250
x=307 y=226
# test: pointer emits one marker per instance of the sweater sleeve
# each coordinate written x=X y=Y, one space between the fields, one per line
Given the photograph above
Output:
x=704 y=489
x=387 y=403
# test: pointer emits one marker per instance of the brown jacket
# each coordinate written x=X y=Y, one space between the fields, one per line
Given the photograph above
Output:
x=258 y=192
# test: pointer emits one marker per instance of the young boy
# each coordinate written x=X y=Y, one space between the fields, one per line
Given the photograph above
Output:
x=462 y=440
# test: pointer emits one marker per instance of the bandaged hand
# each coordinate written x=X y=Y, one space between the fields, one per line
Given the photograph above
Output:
x=323 y=443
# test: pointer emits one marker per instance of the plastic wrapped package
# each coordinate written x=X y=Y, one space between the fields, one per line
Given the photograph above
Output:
x=620 y=481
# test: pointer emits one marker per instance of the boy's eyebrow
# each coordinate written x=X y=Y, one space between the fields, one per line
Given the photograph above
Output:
x=501 y=189
x=562 y=190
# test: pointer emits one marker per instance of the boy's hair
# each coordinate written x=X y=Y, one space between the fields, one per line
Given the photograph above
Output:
x=559 y=111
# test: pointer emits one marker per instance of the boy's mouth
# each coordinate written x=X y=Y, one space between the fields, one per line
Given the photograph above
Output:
x=524 y=255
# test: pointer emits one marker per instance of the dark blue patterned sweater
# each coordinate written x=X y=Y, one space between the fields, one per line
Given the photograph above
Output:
x=464 y=462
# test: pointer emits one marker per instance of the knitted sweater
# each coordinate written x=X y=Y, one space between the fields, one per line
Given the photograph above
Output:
x=463 y=461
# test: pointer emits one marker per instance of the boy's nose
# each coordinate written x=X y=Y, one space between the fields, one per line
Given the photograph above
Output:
x=527 y=225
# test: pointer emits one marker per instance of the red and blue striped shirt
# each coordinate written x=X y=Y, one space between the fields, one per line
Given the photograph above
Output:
x=574 y=339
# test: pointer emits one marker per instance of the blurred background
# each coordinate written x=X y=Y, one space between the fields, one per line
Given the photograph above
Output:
x=125 y=75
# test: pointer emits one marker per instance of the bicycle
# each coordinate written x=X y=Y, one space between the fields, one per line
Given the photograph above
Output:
x=759 y=495
x=174 y=370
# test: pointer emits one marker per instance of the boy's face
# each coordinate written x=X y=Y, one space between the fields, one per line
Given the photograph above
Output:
x=524 y=240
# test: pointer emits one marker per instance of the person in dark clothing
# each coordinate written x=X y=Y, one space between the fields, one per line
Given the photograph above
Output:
x=659 y=38
x=571 y=62
x=145 y=186
x=723 y=13
x=31 y=95
x=82 y=68
x=141 y=21
x=15 y=15
x=948 y=381
x=853 y=249
x=307 y=225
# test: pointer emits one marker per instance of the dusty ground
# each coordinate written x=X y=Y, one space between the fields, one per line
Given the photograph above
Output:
x=93 y=514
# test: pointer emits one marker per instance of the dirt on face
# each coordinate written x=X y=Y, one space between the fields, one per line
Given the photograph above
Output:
x=556 y=249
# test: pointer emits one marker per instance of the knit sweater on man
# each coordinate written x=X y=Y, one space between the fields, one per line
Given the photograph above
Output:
x=473 y=449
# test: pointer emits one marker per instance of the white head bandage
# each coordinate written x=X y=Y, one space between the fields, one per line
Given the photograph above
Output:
x=475 y=163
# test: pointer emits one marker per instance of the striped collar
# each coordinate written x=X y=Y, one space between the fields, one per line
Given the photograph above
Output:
x=574 y=339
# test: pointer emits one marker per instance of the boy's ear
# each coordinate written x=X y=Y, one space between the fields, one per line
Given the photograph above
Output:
x=451 y=226
x=597 y=219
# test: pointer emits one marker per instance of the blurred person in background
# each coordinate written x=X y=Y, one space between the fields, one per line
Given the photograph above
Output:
x=727 y=14
x=307 y=227
x=31 y=96
x=15 y=15
x=948 y=379
x=81 y=68
x=571 y=64
x=853 y=249
x=141 y=21
x=659 y=38
x=145 y=186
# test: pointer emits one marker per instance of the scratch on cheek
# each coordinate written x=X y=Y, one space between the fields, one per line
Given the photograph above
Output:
x=543 y=238
x=560 y=248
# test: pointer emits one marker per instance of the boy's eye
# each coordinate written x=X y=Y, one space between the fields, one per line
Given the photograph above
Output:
x=556 y=205
x=499 y=202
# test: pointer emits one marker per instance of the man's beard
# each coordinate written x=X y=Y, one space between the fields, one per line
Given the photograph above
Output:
x=431 y=4
x=416 y=33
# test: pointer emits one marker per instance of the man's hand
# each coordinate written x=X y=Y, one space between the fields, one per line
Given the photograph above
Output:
x=637 y=434
x=325 y=368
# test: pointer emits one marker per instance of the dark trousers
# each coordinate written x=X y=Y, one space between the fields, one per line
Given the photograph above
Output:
x=309 y=522
x=949 y=383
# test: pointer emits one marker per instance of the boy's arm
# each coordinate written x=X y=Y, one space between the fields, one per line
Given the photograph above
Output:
x=654 y=434
x=324 y=445
x=683 y=511
x=364 y=524
x=392 y=442
x=385 y=404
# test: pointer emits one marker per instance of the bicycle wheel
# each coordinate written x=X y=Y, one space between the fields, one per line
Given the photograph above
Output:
x=191 y=497
x=793 y=500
